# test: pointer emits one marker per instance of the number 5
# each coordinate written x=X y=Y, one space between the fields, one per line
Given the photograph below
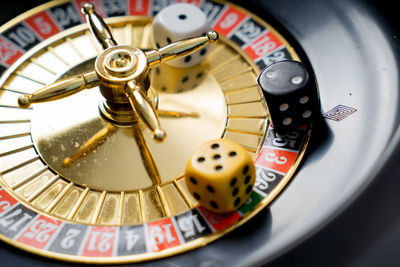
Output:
x=43 y=26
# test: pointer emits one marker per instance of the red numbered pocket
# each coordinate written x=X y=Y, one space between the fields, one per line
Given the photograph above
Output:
x=276 y=159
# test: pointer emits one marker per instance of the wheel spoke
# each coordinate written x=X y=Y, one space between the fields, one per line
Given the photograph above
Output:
x=98 y=27
x=141 y=104
x=180 y=48
x=60 y=89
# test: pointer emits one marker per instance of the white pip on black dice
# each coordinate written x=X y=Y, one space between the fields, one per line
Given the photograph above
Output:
x=177 y=22
x=291 y=95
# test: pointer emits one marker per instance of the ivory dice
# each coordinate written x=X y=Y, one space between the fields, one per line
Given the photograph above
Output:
x=177 y=22
x=220 y=175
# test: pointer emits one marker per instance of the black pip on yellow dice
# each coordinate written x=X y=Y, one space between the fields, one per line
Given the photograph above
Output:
x=98 y=175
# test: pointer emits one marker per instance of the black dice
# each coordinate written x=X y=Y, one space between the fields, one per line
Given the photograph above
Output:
x=291 y=95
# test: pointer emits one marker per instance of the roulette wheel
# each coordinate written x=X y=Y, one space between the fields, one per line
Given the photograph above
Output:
x=54 y=211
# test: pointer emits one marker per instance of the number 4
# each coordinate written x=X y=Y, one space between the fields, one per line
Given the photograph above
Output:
x=131 y=239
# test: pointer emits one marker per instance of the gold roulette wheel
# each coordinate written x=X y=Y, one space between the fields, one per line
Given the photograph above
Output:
x=44 y=214
x=86 y=179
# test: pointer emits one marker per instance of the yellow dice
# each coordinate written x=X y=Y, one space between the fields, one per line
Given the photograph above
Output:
x=220 y=175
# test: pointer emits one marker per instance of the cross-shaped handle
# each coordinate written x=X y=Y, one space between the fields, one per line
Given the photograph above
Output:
x=122 y=73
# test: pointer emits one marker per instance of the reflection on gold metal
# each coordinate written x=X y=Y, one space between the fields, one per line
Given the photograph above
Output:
x=109 y=212
x=77 y=204
x=163 y=200
x=45 y=198
x=131 y=210
x=93 y=143
x=35 y=80
x=143 y=207
x=180 y=48
x=177 y=114
x=42 y=188
x=173 y=199
x=36 y=62
x=154 y=206
x=145 y=153
x=185 y=194
x=60 y=58
x=98 y=27
x=61 y=89
x=145 y=110
x=59 y=196
x=98 y=206
x=76 y=50
x=93 y=42
x=121 y=204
